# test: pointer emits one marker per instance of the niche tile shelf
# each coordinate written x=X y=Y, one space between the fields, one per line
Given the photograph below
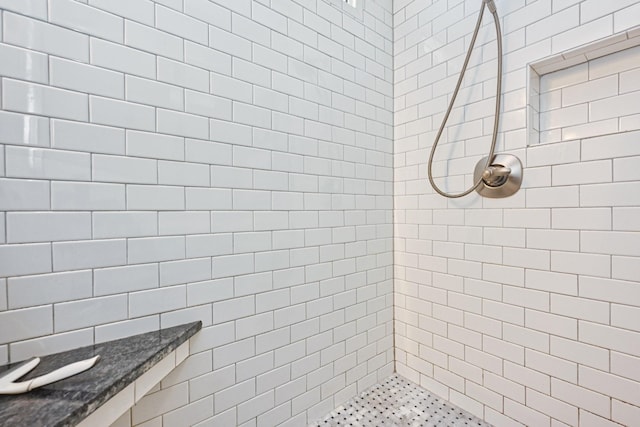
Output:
x=128 y=368
x=537 y=132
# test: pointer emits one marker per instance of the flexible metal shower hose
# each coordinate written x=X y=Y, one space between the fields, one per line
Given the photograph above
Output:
x=494 y=139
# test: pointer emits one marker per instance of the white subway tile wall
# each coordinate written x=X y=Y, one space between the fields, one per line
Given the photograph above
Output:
x=228 y=161
x=525 y=310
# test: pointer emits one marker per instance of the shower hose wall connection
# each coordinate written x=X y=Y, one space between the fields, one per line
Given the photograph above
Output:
x=495 y=176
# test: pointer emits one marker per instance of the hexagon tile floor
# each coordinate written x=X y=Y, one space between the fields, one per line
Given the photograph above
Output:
x=397 y=402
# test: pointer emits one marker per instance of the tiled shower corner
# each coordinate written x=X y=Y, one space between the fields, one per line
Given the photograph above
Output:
x=397 y=402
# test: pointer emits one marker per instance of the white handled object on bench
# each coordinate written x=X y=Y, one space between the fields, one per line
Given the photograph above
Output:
x=9 y=386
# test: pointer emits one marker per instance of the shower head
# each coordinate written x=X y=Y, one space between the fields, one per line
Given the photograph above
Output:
x=491 y=5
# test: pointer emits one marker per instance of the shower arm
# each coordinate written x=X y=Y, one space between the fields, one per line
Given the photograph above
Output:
x=492 y=8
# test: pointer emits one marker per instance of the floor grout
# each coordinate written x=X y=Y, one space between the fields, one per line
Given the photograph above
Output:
x=397 y=402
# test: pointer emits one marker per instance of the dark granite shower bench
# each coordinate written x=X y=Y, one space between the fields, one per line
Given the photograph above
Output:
x=122 y=362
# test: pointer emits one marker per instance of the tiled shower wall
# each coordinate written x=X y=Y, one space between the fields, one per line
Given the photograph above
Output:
x=228 y=161
x=524 y=310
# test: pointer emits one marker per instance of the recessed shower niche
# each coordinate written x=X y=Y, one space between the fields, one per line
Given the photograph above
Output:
x=586 y=92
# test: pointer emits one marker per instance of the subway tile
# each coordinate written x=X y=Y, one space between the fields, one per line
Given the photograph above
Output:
x=207 y=105
x=37 y=9
x=582 y=173
x=21 y=129
x=20 y=195
x=88 y=254
x=141 y=11
x=155 y=146
x=625 y=268
x=581 y=218
x=144 y=91
x=181 y=25
x=154 y=197
x=86 y=20
x=57 y=343
x=187 y=223
x=624 y=365
x=95 y=311
x=153 y=249
x=124 y=169
x=107 y=225
x=44 y=289
x=611 y=385
x=580 y=397
x=625 y=317
x=210 y=12
x=182 y=124
x=116 y=57
x=26 y=323
x=208 y=198
x=180 y=173
x=209 y=291
x=229 y=43
x=609 y=337
x=609 y=146
x=37 y=163
x=110 y=281
x=183 y=75
x=44 y=100
x=87 y=196
x=155 y=301
x=44 y=37
x=122 y=114
x=614 y=194
x=32 y=227
x=24 y=64
x=152 y=40
x=626 y=169
x=610 y=242
x=202 y=56
x=87 y=137
x=621 y=105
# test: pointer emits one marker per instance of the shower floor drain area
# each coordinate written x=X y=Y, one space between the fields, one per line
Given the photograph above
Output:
x=397 y=402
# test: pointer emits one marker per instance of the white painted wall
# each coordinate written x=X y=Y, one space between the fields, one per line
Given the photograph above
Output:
x=525 y=310
x=228 y=161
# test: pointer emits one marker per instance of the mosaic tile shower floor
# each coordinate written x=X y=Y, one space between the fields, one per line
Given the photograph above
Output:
x=397 y=402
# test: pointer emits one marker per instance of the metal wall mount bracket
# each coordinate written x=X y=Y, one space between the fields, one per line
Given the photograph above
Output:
x=502 y=178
